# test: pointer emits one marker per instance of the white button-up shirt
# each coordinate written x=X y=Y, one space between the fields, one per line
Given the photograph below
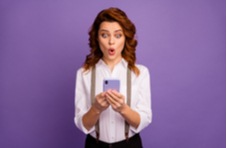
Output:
x=112 y=124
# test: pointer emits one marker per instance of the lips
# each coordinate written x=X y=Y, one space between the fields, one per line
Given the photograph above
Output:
x=111 y=51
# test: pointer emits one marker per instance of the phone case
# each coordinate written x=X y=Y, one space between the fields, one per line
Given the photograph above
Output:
x=113 y=84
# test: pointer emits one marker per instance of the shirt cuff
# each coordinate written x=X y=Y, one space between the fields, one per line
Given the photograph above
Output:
x=145 y=120
x=80 y=125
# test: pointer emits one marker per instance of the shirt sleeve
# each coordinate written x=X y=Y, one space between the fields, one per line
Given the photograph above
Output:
x=143 y=105
x=81 y=102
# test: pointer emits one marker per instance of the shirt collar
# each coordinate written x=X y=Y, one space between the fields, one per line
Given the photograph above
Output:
x=123 y=62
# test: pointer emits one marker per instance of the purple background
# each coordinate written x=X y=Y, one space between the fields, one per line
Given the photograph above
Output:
x=43 y=43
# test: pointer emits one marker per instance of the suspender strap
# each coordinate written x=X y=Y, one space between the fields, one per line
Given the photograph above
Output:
x=93 y=85
x=93 y=99
x=128 y=99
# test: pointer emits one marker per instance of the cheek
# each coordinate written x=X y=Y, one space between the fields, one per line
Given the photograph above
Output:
x=101 y=47
x=102 y=44
x=122 y=44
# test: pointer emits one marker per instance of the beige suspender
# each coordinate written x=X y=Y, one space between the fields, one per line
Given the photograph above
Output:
x=128 y=99
x=93 y=72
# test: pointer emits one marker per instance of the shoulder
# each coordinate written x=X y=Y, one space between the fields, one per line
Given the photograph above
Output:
x=82 y=72
x=143 y=69
x=144 y=75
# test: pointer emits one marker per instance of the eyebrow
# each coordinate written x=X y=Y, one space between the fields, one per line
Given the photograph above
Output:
x=118 y=30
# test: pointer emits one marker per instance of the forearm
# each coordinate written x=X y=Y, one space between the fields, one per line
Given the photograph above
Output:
x=131 y=116
x=90 y=118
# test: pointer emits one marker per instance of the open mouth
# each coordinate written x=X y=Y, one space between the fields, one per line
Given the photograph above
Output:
x=111 y=51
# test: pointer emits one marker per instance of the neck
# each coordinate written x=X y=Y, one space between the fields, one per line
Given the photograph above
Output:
x=112 y=63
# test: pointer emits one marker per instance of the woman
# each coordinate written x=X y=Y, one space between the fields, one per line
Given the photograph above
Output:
x=105 y=115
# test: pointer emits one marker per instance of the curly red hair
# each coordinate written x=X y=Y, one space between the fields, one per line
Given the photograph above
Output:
x=129 y=30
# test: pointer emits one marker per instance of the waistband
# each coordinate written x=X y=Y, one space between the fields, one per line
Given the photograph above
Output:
x=132 y=140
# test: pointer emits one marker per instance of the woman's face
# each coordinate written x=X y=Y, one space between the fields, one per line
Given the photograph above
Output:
x=111 y=41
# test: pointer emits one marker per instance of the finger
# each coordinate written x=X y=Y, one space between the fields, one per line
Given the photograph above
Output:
x=115 y=104
x=102 y=101
x=118 y=98
x=101 y=96
x=112 y=95
x=105 y=104
x=116 y=93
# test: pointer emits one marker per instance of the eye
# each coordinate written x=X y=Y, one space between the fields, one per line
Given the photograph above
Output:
x=118 y=36
x=104 y=35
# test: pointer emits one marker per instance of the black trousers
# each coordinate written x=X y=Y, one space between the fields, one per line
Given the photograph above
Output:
x=133 y=142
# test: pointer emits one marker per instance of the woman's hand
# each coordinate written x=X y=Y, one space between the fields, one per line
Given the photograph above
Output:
x=116 y=100
x=92 y=116
x=101 y=102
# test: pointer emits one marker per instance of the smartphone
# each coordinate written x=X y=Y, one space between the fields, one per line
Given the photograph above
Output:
x=113 y=84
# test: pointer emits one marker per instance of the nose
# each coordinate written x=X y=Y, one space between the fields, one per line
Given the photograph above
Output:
x=111 y=40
